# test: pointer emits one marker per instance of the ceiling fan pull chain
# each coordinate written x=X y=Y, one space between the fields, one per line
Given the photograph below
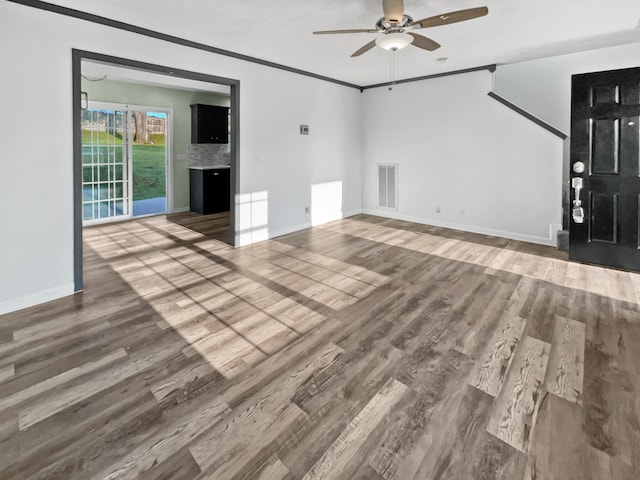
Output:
x=392 y=68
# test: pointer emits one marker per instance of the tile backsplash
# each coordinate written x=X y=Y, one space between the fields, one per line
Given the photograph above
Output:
x=207 y=154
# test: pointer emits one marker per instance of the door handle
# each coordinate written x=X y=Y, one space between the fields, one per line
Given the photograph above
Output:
x=578 y=211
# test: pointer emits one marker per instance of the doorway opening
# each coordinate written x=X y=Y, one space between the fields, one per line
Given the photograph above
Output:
x=123 y=177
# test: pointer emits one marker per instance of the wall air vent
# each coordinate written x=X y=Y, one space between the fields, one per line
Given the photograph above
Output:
x=388 y=186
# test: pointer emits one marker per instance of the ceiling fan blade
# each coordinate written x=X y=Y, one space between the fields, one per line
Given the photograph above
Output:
x=393 y=11
x=364 y=49
x=424 y=42
x=451 y=17
x=357 y=30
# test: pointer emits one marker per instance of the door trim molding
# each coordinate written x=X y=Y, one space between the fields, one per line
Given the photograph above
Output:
x=77 y=56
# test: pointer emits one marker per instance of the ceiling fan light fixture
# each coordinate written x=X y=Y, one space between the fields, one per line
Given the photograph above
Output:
x=394 y=41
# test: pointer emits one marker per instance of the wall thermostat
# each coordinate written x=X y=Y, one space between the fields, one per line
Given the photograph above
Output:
x=304 y=129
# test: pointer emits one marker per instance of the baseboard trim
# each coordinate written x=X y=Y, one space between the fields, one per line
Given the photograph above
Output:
x=551 y=242
x=287 y=230
x=296 y=228
x=351 y=213
x=342 y=215
x=180 y=210
x=34 y=299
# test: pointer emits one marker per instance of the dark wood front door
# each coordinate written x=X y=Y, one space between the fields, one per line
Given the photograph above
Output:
x=605 y=158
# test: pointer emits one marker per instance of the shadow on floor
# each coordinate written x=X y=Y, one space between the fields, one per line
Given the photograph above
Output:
x=216 y=225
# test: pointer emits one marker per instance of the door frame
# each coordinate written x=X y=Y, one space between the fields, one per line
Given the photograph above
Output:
x=77 y=57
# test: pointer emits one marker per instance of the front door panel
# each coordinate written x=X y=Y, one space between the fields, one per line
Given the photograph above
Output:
x=605 y=132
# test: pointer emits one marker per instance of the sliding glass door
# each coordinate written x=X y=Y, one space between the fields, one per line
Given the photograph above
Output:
x=124 y=162
x=105 y=165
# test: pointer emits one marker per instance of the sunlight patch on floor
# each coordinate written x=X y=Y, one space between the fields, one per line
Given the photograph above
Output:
x=590 y=278
x=234 y=307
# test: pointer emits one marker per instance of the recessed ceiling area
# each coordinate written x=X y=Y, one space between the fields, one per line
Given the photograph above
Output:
x=96 y=71
x=281 y=31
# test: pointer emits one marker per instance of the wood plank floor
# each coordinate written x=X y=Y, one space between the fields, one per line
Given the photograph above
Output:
x=366 y=348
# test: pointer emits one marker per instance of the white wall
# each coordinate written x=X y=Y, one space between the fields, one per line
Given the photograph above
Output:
x=457 y=148
x=543 y=87
x=285 y=164
x=36 y=198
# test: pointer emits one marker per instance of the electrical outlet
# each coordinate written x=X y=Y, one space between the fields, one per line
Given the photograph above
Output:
x=307 y=210
x=462 y=212
x=438 y=209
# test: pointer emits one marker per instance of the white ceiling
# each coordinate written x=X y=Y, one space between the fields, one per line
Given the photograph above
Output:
x=280 y=31
x=97 y=71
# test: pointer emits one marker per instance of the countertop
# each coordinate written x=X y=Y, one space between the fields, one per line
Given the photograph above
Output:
x=212 y=167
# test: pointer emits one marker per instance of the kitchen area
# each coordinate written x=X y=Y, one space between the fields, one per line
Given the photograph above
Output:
x=208 y=158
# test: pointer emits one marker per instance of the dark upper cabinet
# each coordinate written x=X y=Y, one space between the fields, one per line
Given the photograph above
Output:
x=209 y=124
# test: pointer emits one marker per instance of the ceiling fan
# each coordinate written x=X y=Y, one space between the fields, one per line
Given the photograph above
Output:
x=397 y=28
